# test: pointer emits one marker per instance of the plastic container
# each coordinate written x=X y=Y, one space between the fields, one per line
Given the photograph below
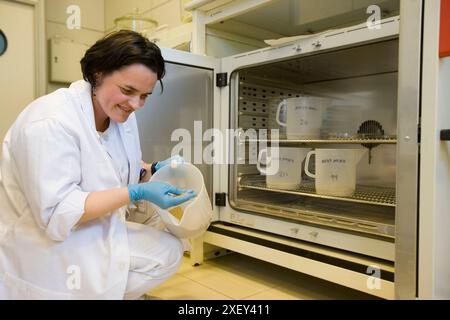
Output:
x=193 y=217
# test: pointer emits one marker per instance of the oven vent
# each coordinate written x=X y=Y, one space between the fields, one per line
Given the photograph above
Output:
x=370 y=129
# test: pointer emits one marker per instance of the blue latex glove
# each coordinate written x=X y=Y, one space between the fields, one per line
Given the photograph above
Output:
x=162 y=194
x=176 y=159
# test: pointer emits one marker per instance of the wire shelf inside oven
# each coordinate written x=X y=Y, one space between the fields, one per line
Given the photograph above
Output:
x=382 y=196
x=330 y=140
x=367 y=219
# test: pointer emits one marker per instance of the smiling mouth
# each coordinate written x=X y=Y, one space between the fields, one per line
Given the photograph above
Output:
x=127 y=110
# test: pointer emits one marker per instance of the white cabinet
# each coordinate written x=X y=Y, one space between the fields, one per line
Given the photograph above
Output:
x=332 y=12
x=176 y=38
x=65 y=56
x=247 y=23
x=310 y=11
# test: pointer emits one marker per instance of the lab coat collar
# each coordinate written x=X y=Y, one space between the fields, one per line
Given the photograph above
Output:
x=84 y=93
x=83 y=90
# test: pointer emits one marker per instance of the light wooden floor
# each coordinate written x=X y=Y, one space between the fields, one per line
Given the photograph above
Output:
x=239 y=277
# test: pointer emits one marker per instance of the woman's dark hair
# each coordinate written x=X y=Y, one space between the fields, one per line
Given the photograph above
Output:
x=120 y=49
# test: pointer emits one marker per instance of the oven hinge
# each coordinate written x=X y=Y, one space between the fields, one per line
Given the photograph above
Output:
x=220 y=199
x=221 y=79
x=419 y=132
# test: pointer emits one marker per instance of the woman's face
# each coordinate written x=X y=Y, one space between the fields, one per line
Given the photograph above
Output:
x=124 y=91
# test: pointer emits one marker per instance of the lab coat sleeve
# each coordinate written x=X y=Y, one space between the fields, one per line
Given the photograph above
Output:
x=49 y=169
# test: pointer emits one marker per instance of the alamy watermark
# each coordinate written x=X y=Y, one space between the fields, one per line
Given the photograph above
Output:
x=374 y=280
x=73 y=281
x=219 y=149
x=74 y=19
x=374 y=21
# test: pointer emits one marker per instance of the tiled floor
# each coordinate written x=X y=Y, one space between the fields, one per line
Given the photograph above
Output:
x=239 y=277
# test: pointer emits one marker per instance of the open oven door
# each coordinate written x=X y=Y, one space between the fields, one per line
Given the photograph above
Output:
x=180 y=118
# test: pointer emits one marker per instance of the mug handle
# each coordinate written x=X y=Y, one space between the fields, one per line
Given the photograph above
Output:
x=258 y=163
x=280 y=105
x=308 y=173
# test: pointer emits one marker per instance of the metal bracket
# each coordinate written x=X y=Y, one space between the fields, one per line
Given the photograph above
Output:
x=317 y=44
x=221 y=199
x=419 y=133
x=297 y=48
x=445 y=135
x=221 y=79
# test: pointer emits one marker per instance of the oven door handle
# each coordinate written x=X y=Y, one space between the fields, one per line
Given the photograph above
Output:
x=445 y=135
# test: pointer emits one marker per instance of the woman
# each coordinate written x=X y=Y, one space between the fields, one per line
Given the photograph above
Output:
x=71 y=165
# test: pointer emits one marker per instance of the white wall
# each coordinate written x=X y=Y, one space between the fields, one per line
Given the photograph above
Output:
x=221 y=44
x=172 y=14
x=18 y=64
x=92 y=24
x=434 y=218
x=163 y=11
x=97 y=19
x=442 y=214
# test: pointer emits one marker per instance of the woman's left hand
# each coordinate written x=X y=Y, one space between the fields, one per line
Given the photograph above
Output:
x=145 y=173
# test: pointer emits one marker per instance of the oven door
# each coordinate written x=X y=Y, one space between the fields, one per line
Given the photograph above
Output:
x=178 y=119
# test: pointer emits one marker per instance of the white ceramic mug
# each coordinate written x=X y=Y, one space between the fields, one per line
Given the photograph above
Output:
x=273 y=124
x=303 y=116
x=283 y=167
x=335 y=170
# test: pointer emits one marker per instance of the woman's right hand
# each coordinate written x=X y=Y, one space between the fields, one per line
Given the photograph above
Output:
x=162 y=194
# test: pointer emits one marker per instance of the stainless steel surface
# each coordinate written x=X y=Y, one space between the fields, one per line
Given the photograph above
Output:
x=363 y=194
x=362 y=82
x=357 y=96
x=354 y=101
x=408 y=150
x=296 y=17
x=370 y=220
x=187 y=97
x=330 y=66
x=355 y=140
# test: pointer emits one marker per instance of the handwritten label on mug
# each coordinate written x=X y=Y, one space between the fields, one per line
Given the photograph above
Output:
x=284 y=159
x=305 y=108
x=334 y=161
x=282 y=174
x=303 y=122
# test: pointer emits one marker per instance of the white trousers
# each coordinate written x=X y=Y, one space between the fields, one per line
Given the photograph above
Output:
x=155 y=256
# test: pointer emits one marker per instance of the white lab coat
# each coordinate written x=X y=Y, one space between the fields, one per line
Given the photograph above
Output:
x=52 y=159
